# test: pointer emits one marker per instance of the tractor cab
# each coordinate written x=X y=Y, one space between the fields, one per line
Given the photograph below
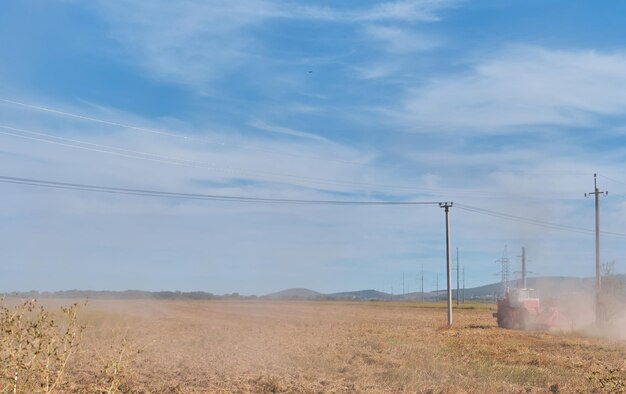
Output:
x=519 y=309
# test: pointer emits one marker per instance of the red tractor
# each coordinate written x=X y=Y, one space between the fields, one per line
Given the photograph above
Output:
x=519 y=310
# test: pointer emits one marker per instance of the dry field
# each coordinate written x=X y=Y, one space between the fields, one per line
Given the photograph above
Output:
x=319 y=347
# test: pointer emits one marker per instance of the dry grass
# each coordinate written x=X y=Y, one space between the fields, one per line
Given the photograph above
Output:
x=34 y=349
x=315 y=347
x=38 y=345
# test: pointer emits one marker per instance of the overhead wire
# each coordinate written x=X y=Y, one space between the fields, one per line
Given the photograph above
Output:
x=135 y=154
x=196 y=196
x=199 y=164
x=533 y=221
x=160 y=132
x=612 y=179
x=111 y=150
x=265 y=200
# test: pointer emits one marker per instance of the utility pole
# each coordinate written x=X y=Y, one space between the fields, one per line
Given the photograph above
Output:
x=524 y=268
x=598 y=288
x=463 y=284
x=422 y=285
x=522 y=282
x=446 y=206
x=437 y=291
x=403 y=292
x=458 y=275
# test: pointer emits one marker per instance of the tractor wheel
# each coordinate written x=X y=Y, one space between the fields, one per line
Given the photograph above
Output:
x=527 y=320
x=499 y=318
x=504 y=318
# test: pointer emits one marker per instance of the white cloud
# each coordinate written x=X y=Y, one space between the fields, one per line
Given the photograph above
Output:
x=407 y=10
x=403 y=10
x=523 y=86
x=376 y=70
x=400 y=40
x=197 y=42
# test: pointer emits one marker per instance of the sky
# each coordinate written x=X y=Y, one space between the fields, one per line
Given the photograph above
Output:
x=506 y=109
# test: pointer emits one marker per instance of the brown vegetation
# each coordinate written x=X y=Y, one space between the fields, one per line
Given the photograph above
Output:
x=319 y=347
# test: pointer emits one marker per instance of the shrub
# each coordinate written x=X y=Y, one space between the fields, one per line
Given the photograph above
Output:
x=34 y=349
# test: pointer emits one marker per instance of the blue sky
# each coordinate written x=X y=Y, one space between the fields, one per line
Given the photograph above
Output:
x=507 y=106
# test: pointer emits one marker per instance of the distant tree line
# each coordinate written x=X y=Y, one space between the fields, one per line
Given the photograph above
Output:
x=127 y=295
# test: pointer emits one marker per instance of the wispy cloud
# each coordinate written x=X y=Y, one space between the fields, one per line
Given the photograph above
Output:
x=288 y=131
x=403 y=10
x=197 y=42
x=376 y=70
x=523 y=86
x=400 y=40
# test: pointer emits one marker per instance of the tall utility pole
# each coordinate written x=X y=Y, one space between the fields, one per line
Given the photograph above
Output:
x=504 y=270
x=422 y=285
x=597 y=194
x=458 y=282
x=446 y=206
x=437 y=291
x=403 y=292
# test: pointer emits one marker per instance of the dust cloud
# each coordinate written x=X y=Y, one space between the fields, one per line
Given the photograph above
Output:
x=576 y=304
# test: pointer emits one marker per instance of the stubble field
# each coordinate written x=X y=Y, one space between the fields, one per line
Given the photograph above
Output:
x=319 y=347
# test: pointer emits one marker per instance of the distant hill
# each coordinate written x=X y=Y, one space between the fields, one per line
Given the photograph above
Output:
x=294 y=294
x=357 y=295
x=545 y=287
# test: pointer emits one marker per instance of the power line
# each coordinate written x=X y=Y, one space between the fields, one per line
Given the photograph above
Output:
x=612 y=179
x=521 y=219
x=157 y=132
x=287 y=178
x=134 y=154
x=198 y=164
x=532 y=221
x=194 y=196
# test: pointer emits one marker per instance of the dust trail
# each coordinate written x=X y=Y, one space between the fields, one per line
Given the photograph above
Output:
x=577 y=307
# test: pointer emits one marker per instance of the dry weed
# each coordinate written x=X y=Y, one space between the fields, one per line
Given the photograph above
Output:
x=34 y=349
x=37 y=348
